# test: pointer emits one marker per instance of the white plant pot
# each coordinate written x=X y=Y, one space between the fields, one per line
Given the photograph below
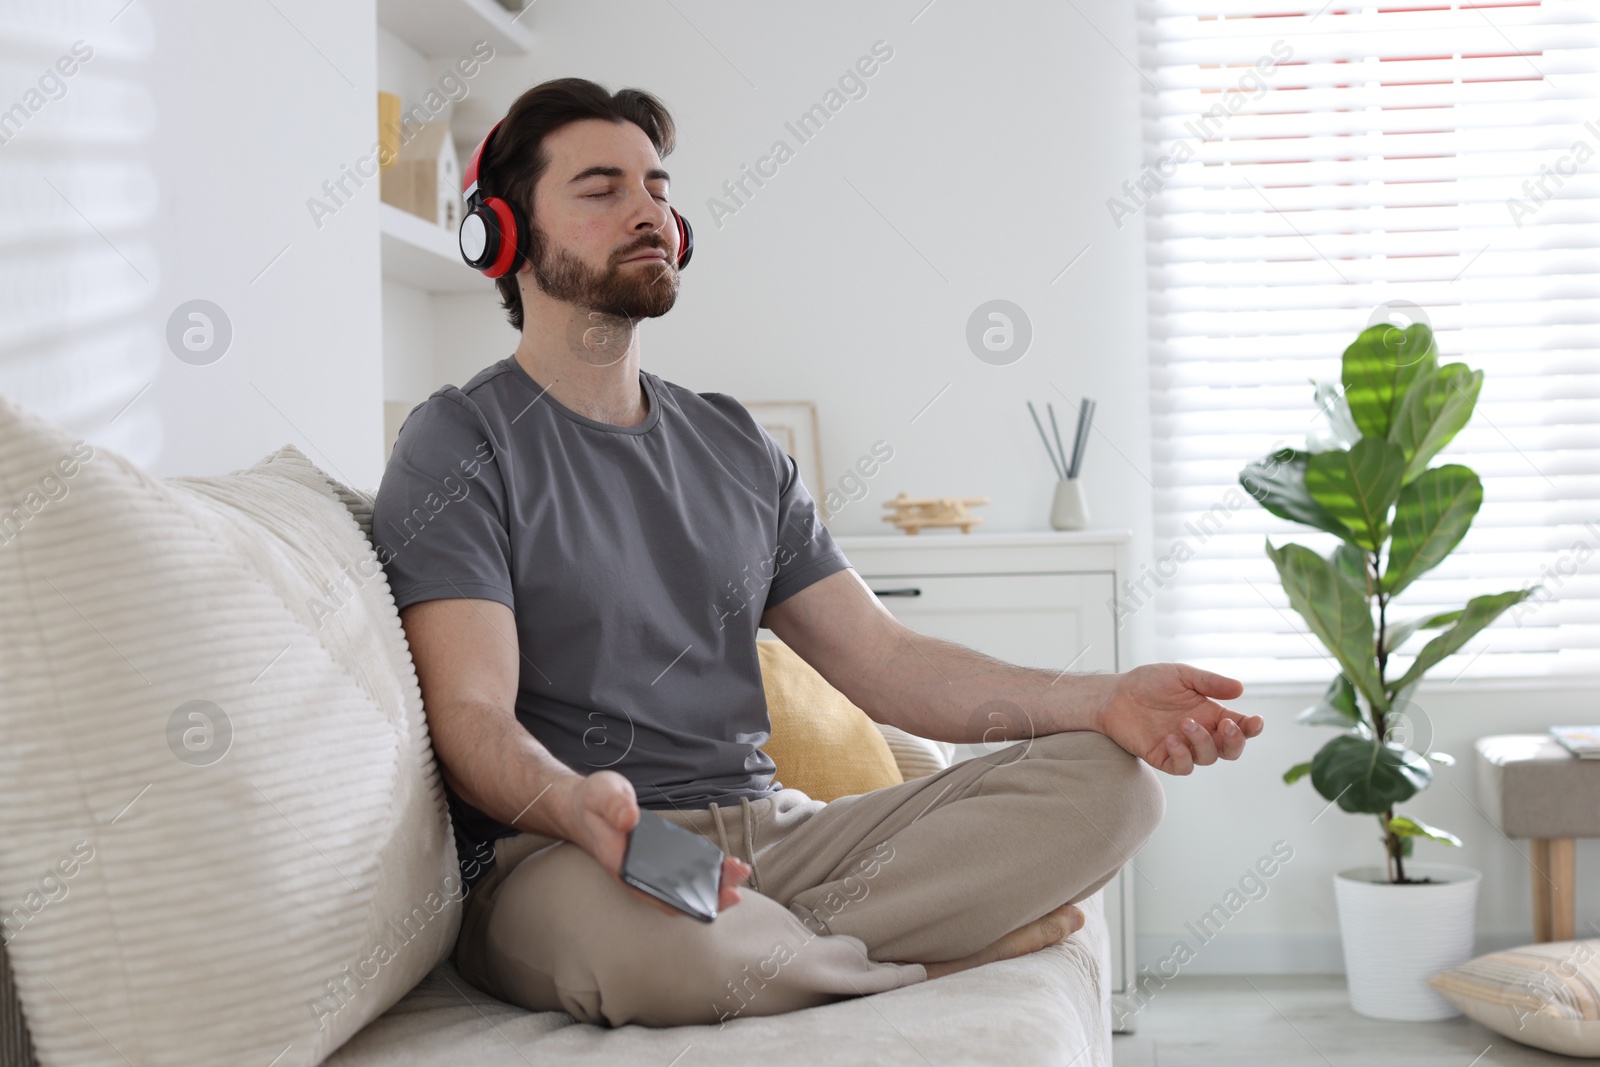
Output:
x=1396 y=937
x=1069 y=510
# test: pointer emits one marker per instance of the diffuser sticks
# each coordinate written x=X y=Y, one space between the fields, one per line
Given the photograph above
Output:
x=1066 y=469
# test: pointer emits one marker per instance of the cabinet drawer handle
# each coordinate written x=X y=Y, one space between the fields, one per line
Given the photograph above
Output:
x=898 y=592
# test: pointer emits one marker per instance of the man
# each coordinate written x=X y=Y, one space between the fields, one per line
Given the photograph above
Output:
x=582 y=553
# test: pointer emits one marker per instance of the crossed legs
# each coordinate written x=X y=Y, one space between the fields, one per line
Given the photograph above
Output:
x=977 y=863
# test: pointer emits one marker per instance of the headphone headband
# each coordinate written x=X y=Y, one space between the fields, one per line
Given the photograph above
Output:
x=469 y=174
x=493 y=230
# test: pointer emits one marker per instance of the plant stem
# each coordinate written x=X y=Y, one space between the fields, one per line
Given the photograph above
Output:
x=1391 y=840
x=1388 y=844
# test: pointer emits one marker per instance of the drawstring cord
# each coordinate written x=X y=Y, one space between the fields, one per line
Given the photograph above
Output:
x=749 y=838
x=750 y=842
x=722 y=831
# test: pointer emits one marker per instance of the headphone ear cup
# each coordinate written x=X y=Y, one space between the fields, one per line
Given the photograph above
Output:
x=497 y=230
x=685 y=239
x=523 y=239
x=478 y=237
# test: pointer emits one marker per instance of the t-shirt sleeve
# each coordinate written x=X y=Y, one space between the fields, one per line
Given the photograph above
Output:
x=439 y=524
x=806 y=551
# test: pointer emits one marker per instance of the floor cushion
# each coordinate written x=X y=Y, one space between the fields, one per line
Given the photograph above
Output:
x=1545 y=995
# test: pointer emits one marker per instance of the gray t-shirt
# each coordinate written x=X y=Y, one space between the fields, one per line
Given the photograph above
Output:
x=637 y=559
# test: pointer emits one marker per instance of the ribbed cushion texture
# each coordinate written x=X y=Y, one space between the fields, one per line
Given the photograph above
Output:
x=917 y=757
x=213 y=905
x=823 y=745
x=1546 y=995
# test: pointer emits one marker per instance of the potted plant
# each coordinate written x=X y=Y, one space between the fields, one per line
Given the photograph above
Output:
x=1366 y=479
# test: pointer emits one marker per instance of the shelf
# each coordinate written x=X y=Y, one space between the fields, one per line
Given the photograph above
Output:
x=419 y=253
x=449 y=28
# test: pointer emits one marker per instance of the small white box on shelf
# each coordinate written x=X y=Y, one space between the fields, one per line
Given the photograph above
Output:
x=426 y=179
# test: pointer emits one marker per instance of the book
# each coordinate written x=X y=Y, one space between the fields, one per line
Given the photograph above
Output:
x=1581 y=741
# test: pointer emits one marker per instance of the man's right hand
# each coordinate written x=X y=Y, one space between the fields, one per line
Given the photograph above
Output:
x=601 y=809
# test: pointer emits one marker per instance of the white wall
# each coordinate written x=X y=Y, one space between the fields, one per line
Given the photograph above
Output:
x=248 y=135
x=249 y=109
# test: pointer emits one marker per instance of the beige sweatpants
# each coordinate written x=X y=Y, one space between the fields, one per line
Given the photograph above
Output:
x=933 y=869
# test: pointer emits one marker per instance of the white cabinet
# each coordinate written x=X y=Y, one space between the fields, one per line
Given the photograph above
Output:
x=1035 y=599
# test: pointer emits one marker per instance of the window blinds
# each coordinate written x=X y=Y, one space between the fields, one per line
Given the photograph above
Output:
x=1304 y=168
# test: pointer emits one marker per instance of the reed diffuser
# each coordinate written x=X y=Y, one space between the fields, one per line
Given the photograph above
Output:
x=1069 y=510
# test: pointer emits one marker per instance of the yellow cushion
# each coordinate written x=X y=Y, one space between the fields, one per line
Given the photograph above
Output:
x=824 y=746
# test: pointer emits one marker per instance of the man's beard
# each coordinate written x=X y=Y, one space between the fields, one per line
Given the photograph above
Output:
x=640 y=291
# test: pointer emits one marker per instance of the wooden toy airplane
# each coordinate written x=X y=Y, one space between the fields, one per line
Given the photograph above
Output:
x=912 y=515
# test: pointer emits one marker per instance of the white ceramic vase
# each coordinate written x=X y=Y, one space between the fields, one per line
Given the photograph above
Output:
x=1069 y=510
x=1396 y=937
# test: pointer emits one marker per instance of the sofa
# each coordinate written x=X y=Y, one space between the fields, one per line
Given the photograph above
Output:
x=224 y=838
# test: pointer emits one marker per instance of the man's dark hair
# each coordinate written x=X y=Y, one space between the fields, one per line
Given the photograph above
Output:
x=517 y=158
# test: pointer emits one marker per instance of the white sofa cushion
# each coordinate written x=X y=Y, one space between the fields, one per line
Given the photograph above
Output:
x=1050 y=1008
x=223 y=838
x=917 y=757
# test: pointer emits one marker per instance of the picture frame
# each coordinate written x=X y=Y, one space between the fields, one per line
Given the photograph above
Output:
x=793 y=424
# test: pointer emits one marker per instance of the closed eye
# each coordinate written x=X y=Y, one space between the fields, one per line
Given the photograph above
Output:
x=592 y=196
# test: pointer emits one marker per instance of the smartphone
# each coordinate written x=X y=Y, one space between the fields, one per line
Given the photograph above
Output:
x=674 y=865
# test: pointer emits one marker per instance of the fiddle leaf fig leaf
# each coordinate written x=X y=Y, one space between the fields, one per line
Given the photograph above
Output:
x=1278 y=483
x=1336 y=708
x=1367 y=776
x=1336 y=428
x=1398 y=634
x=1433 y=412
x=1479 y=612
x=1401 y=826
x=1358 y=487
x=1379 y=368
x=1351 y=562
x=1431 y=517
x=1295 y=773
x=1336 y=611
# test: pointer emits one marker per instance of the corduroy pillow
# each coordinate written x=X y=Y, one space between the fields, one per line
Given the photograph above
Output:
x=824 y=746
x=223 y=837
x=917 y=757
x=1545 y=995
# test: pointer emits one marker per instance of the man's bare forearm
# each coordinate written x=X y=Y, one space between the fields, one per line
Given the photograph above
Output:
x=948 y=692
x=495 y=765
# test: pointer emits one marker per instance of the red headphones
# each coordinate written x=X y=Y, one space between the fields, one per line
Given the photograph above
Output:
x=493 y=230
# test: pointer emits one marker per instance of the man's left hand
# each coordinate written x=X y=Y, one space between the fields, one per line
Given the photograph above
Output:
x=1167 y=714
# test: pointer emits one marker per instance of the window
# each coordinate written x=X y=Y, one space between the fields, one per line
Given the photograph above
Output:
x=1303 y=168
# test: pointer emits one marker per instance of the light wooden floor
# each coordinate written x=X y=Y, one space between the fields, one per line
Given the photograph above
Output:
x=1278 y=1020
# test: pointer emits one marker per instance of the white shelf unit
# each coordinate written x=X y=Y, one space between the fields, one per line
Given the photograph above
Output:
x=450 y=27
x=1045 y=600
x=437 y=32
x=422 y=254
x=418 y=42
